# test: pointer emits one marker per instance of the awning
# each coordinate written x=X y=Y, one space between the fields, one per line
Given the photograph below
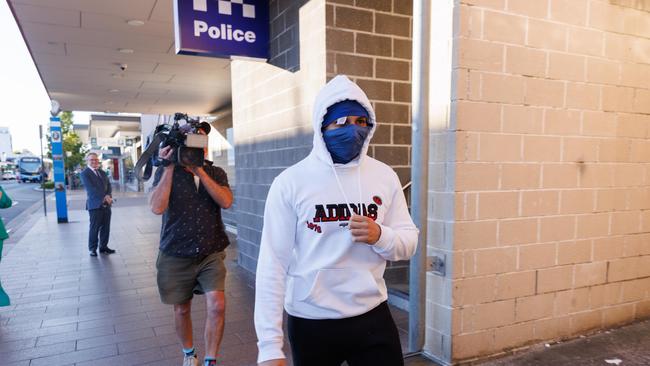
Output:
x=80 y=48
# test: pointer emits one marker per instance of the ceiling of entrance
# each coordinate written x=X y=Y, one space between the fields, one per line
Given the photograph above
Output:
x=79 y=45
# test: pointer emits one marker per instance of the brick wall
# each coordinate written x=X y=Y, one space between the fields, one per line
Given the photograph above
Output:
x=370 y=41
x=552 y=217
x=272 y=112
x=284 y=44
x=272 y=104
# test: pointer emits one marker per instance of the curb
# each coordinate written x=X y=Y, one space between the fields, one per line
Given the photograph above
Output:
x=37 y=189
x=19 y=221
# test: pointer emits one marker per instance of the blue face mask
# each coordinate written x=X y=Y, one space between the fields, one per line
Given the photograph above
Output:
x=345 y=143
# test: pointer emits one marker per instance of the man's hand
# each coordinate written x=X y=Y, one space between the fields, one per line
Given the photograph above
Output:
x=166 y=153
x=108 y=200
x=196 y=170
x=276 y=362
x=364 y=229
x=220 y=194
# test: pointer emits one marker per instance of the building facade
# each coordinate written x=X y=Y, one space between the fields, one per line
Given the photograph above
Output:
x=539 y=151
x=6 y=148
x=538 y=164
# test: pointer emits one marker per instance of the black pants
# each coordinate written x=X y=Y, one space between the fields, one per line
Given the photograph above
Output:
x=100 y=225
x=367 y=339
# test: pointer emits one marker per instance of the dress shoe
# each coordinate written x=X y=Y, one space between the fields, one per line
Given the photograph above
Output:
x=93 y=253
x=107 y=250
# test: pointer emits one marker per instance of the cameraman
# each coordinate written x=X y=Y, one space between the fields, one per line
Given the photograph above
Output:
x=192 y=243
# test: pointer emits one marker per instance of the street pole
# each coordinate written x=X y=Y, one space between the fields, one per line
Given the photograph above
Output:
x=40 y=134
x=419 y=173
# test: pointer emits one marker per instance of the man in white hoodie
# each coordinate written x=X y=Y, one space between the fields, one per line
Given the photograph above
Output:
x=330 y=224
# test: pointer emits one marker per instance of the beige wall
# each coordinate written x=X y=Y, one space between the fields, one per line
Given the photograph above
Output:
x=552 y=202
x=539 y=156
x=218 y=147
x=441 y=182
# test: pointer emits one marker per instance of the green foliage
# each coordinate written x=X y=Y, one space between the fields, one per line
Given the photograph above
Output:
x=48 y=185
x=67 y=120
x=71 y=143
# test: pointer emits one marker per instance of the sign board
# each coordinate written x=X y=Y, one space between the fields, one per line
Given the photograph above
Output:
x=113 y=152
x=222 y=28
x=129 y=142
x=104 y=141
x=56 y=136
x=59 y=172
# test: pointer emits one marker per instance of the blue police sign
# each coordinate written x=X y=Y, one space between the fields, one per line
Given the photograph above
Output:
x=222 y=28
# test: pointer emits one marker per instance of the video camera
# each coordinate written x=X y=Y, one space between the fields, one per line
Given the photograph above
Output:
x=186 y=141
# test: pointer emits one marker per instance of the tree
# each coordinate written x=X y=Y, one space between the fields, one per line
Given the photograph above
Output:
x=67 y=120
x=71 y=143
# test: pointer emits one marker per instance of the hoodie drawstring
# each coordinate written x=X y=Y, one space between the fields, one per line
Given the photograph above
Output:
x=345 y=197
x=359 y=185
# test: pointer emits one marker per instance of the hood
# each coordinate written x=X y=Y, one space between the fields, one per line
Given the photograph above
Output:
x=336 y=90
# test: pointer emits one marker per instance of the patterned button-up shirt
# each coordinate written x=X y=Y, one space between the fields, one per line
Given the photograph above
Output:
x=192 y=225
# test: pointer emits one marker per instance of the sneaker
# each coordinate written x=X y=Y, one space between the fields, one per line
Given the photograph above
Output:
x=107 y=250
x=93 y=253
x=191 y=360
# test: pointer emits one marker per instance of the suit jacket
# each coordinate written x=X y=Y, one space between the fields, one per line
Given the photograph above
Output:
x=96 y=188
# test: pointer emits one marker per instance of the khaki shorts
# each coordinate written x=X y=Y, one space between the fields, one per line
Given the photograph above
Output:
x=180 y=278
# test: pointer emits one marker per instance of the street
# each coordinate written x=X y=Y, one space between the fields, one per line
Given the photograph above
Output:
x=23 y=196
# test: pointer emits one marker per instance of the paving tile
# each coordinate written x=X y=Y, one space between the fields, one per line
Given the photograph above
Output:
x=76 y=356
x=76 y=318
x=76 y=335
x=19 y=363
x=168 y=340
x=117 y=338
x=38 y=352
x=18 y=345
x=130 y=359
x=16 y=334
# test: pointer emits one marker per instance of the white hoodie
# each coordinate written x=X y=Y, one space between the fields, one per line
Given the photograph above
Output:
x=307 y=256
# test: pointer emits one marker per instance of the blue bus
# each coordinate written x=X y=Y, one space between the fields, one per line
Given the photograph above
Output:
x=29 y=169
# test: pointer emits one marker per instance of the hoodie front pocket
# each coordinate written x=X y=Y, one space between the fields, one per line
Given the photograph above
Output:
x=345 y=286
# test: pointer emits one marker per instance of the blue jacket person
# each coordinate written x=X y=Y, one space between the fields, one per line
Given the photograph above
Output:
x=98 y=203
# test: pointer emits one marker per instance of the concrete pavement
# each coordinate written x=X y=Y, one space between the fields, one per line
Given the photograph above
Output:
x=68 y=308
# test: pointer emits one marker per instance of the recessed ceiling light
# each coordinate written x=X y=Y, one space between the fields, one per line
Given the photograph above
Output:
x=125 y=50
x=114 y=91
x=135 y=22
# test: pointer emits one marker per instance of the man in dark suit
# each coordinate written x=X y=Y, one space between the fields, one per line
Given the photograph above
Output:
x=98 y=204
